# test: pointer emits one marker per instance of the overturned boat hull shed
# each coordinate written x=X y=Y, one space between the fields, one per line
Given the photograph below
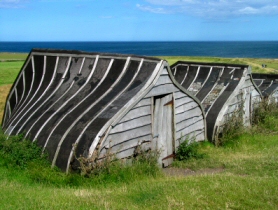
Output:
x=75 y=104
x=268 y=84
x=223 y=89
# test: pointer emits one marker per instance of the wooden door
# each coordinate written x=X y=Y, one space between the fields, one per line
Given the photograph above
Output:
x=247 y=108
x=163 y=129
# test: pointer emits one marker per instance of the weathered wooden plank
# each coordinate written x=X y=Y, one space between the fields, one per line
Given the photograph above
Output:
x=179 y=94
x=183 y=100
x=129 y=152
x=185 y=117
x=167 y=138
x=193 y=110
x=197 y=135
x=162 y=89
x=155 y=127
x=122 y=146
x=164 y=71
x=200 y=135
x=187 y=127
x=143 y=102
x=158 y=132
x=131 y=124
x=187 y=122
x=129 y=134
x=163 y=79
x=141 y=111
x=191 y=134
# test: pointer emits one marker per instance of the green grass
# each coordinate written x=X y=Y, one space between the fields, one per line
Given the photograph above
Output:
x=9 y=71
x=13 y=56
x=248 y=181
x=10 y=65
x=256 y=64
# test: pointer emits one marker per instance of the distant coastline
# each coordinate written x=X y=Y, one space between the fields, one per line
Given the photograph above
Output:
x=232 y=49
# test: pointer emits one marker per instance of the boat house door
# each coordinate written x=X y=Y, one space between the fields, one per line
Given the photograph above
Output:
x=163 y=138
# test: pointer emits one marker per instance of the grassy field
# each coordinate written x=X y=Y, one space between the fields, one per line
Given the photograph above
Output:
x=242 y=175
x=256 y=64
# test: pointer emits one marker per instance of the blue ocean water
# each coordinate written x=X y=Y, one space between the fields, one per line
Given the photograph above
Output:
x=240 y=49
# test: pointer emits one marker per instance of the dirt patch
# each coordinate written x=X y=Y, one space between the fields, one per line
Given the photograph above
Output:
x=188 y=172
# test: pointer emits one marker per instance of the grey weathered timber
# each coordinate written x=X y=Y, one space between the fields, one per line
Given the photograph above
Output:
x=223 y=89
x=268 y=84
x=75 y=103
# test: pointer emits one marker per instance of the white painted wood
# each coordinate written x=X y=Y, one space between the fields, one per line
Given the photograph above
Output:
x=168 y=129
x=179 y=94
x=174 y=123
x=162 y=89
x=131 y=124
x=175 y=70
x=185 y=75
x=24 y=86
x=157 y=123
x=163 y=128
x=193 y=81
x=122 y=146
x=246 y=108
x=81 y=66
x=197 y=135
x=34 y=103
x=164 y=72
x=130 y=152
x=182 y=101
x=187 y=123
x=199 y=125
x=193 y=110
x=20 y=75
x=16 y=97
x=163 y=79
x=187 y=117
x=144 y=111
x=143 y=102
x=205 y=81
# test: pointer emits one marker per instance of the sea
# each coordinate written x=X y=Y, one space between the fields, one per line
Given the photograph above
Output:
x=230 y=49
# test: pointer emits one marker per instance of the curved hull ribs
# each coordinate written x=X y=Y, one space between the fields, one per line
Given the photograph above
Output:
x=221 y=88
x=268 y=85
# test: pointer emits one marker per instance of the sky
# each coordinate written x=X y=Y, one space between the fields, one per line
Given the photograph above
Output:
x=138 y=20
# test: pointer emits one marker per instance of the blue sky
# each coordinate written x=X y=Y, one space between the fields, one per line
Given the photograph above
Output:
x=138 y=20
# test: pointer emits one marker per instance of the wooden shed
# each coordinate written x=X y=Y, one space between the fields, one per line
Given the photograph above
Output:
x=79 y=103
x=268 y=84
x=222 y=89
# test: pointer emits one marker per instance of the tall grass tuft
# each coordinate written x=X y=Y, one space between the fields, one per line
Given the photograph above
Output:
x=265 y=117
x=19 y=152
x=188 y=149
x=232 y=129
x=143 y=164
